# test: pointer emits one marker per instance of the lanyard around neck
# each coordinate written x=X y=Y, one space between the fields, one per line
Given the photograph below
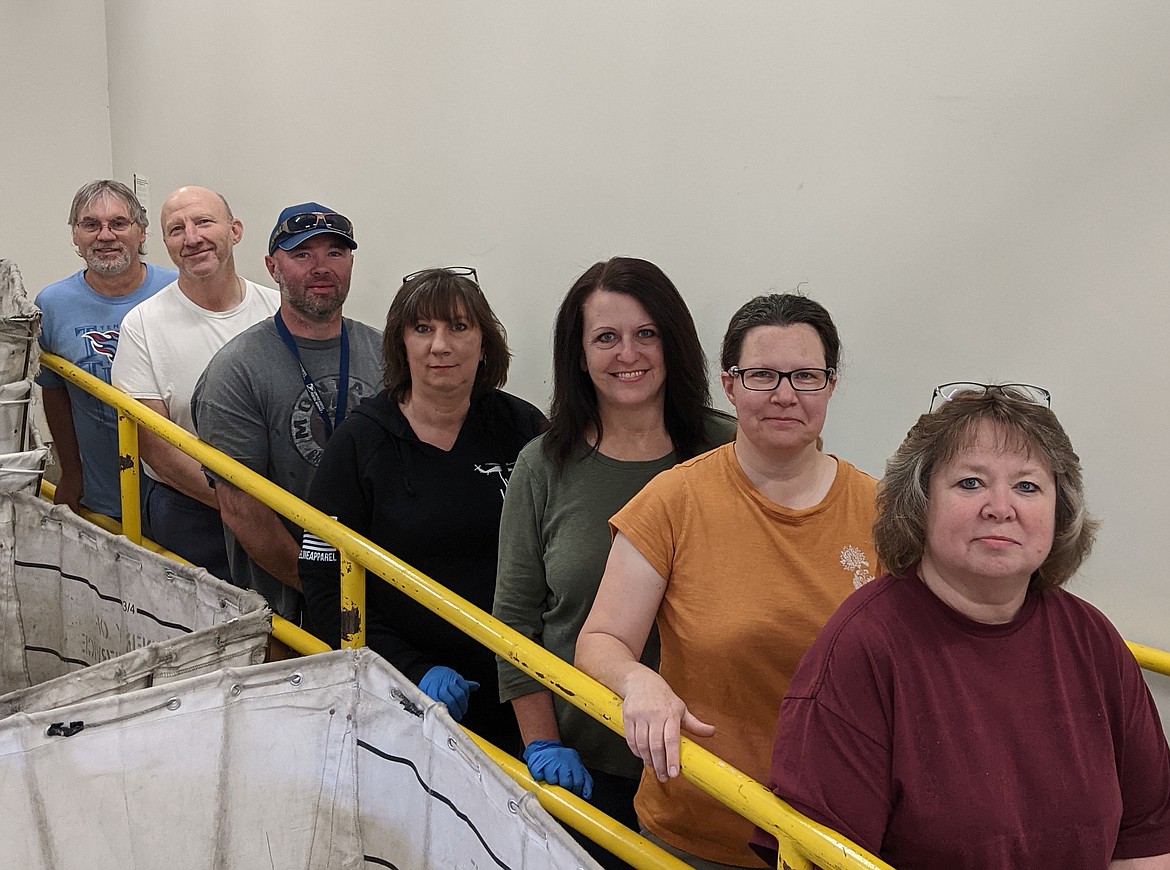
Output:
x=311 y=388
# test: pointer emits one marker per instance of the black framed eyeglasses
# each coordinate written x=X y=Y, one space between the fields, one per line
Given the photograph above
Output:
x=310 y=220
x=766 y=380
x=458 y=271
x=93 y=226
x=1029 y=393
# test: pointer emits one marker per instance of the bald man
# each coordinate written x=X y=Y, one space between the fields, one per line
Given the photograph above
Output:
x=166 y=343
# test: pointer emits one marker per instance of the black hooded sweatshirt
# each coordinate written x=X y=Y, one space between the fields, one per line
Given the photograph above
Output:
x=436 y=510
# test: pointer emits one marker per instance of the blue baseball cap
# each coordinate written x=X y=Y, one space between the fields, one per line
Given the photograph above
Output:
x=299 y=222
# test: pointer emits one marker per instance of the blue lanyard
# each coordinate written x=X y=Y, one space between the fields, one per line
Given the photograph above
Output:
x=311 y=388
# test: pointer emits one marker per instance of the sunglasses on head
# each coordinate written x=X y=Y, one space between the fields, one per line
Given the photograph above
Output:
x=310 y=220
x=458 y=271
x=1029 y=393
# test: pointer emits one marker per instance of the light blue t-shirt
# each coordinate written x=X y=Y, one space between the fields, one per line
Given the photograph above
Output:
x=81 y=325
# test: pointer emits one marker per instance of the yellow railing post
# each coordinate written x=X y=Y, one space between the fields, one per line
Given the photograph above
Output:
x=128 y=477
x=353 y=603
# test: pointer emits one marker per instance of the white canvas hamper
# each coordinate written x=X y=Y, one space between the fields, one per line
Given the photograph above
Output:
x=20 y=324
x=23 y=452
x=239 y=641
x=330 y=761
x=22 y=471
x=73 y=595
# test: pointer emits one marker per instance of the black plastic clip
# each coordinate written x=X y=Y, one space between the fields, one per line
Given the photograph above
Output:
x=60 y=729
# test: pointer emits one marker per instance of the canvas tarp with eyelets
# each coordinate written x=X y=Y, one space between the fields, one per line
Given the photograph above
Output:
x=73 y=595
x=23 y=430
x=332 y=761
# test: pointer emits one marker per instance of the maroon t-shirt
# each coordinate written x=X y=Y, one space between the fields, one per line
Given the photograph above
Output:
x=936 y=741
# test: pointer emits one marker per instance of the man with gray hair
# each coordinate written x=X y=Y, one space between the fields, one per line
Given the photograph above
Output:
x=81 y=320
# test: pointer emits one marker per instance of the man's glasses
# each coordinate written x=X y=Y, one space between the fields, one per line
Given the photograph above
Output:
x=766 y=380
x=93 y=226
x=458 y=271
x=310 y=220
x=1019 y=392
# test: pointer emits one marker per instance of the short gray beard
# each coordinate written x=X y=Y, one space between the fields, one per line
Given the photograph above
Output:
x=109 y=268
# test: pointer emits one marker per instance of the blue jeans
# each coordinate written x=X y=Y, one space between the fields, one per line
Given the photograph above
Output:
x=186 y=527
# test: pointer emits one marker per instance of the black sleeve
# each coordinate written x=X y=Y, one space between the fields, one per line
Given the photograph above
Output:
x=343 y=488
x=336 y=490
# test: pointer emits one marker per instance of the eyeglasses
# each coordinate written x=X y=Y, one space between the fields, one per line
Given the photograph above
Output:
x=458 y=271
x=766 y=380
x=93 y=226
x=1020 y=392
x=310 y=220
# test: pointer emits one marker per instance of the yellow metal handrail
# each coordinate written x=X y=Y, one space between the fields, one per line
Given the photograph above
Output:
x=1150 y=658
x=801 y=840
x=571 y=809
x=358 y=553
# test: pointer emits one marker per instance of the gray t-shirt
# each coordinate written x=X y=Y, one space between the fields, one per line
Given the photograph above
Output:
x=252 y=404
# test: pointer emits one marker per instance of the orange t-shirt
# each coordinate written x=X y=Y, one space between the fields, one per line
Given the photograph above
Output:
x=749 y=585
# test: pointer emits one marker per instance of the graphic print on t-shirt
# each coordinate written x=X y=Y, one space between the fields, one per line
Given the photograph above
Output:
x=503 y=469
x=853 y=559
x=103 y=342
x=305 y=424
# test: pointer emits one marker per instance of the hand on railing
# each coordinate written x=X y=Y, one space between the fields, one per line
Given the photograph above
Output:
x=653 y=717
x=552 y=762
x=448 y=687
x=69 y=492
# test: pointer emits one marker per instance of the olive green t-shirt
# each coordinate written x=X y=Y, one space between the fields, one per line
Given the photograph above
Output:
x=554 y=542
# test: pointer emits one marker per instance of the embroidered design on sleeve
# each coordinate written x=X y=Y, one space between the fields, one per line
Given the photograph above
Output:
x=853 y=559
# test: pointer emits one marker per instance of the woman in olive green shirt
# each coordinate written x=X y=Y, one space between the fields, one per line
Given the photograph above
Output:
x=630 y=399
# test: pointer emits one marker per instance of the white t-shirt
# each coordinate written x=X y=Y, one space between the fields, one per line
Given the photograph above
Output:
x=167 y=341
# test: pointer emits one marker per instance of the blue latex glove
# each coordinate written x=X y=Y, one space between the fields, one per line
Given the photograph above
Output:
x=447 y=686
x=552 y=762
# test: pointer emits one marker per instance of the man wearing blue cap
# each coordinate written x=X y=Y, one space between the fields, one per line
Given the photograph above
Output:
x=273 y=395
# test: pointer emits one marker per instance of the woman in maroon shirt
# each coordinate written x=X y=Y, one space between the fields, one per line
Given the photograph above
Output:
x=964 y=711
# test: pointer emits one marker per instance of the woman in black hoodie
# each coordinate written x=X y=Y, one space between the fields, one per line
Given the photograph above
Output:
x=421 y=469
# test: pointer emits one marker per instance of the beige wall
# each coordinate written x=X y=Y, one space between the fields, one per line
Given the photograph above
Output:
x=975 y=190
x=54 y=128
